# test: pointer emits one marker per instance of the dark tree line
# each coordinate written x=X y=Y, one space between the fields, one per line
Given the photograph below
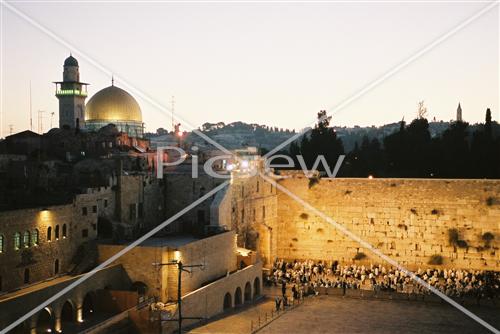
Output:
x=410 y=151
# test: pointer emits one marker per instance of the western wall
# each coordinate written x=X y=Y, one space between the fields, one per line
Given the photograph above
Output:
x=410 y=220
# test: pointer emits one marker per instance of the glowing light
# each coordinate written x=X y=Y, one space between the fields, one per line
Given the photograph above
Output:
x=244 y=164
x=177 y=255
x=370 y=177
x=179 y=133
x=230 y=167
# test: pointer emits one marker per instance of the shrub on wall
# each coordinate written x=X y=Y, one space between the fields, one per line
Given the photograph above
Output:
x=304 y=215
x=295 y=239
x=436 y=260
x=490 y=201
x=487 y=238
x=313 y=181
x=435 y=212
x=359 y=256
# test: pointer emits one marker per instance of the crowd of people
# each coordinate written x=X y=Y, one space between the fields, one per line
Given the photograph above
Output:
x=305 y=277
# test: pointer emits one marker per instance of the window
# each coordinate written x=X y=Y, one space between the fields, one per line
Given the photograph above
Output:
x=26 y=239
x=94 y=208
x=1 y=244
x=264 y=211
x=34 y=237
x=85 y=233
x=84 y=211
x=105 y=203
x=257 y=186
x=57 y=232
x=65 y=231
x=49 y=233
x=17 y=240
x=56 y=267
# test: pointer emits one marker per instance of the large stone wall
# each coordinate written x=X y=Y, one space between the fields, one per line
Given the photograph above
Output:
x=407 y=219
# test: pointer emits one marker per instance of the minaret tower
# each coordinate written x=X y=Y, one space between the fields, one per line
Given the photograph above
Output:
x=71 y=94
x=459 y=113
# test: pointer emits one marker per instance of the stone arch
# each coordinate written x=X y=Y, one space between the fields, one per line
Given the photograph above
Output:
x=237 y=297
x=248 y=292
x=68 y=314
x=45 y=322
x=88 y=305
x=228 y=303
x=256 y=287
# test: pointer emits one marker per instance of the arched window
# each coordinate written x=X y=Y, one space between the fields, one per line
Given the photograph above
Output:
x=35 y=237
x=26 y=239
x=49 y=233
x=17 y=240
x=1 y=244
x=65 y=232
x=57 y=232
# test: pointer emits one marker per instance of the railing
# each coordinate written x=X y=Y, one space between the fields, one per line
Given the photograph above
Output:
x=64 y=92
x=267 y=317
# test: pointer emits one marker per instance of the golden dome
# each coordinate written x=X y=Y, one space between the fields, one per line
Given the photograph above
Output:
x=113 y=104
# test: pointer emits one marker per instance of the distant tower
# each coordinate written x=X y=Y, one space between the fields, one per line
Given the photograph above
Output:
x=459 y=113
x=71 y=94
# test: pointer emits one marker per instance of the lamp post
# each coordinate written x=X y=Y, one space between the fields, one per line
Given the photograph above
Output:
x=180 y=268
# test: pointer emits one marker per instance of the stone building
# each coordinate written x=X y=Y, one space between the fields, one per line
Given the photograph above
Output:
x=41 y=243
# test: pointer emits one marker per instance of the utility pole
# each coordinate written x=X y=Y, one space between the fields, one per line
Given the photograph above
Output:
x=180 y=268
x=31 y=111
x=172 y=107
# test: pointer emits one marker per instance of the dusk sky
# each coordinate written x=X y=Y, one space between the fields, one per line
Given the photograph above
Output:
x=275 y=63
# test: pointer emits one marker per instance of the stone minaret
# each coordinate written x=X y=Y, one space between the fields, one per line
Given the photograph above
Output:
x=459 y=113
x=71 y=94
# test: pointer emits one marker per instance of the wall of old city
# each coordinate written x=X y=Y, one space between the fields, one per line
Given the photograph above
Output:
x=407 y=219
x=253 y=214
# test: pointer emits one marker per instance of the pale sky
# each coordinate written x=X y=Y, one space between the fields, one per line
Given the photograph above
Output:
x=266 y=63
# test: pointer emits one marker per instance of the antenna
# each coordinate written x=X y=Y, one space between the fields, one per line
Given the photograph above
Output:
x=40 y=121
x=172 y=107
x=31 y=112
x=51 y=118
